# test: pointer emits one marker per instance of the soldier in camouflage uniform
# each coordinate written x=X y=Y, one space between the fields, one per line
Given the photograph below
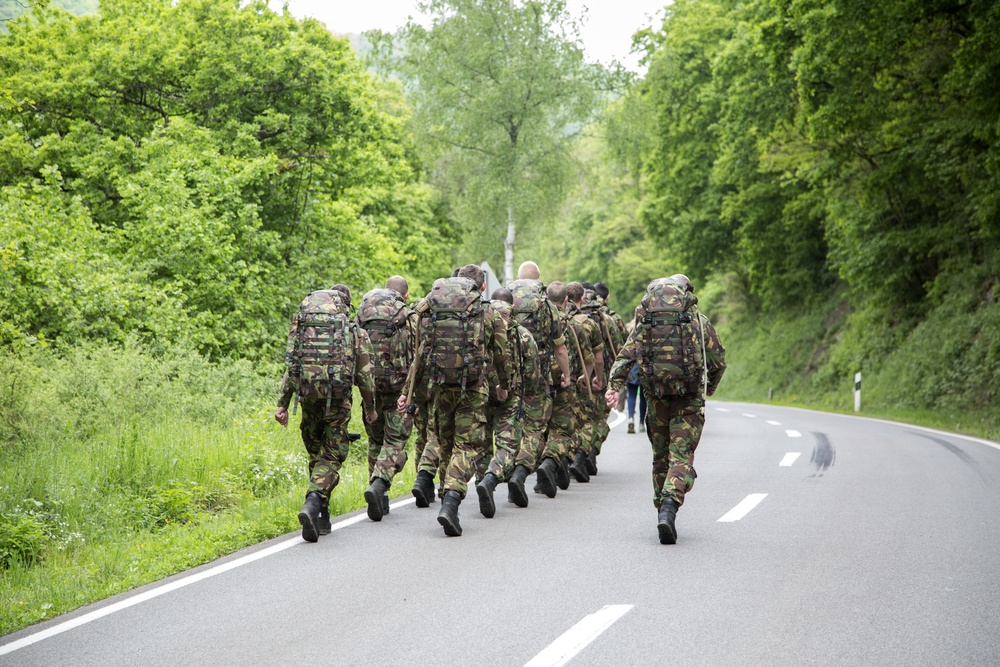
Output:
x=588 y=411
x=388 y=434
x=674 y=423
x=613 y=336
x=506 y=418
x=554 y=368
x=459 y=412
x=427 y=457
x=324 y=425
x=562 y=437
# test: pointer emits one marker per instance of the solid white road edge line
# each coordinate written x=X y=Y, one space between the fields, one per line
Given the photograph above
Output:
x=792 y=433
x=576 y=638
x=174 y=585
x=743 y=508
x=789 y=459
x=619 y=417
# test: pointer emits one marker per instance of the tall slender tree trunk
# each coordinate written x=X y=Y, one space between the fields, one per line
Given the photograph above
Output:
x=508 y=246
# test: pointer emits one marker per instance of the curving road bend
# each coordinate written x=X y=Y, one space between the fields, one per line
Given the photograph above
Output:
x=808 y=539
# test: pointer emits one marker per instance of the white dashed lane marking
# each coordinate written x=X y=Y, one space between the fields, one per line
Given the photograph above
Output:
x=747 y=414
x=773 y=423
x=793 y=434
x=789 y=459
x=743 y=508
x=576 y=638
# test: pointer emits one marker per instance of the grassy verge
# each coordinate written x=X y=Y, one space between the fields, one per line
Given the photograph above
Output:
x=120 y=468
x=942 y=373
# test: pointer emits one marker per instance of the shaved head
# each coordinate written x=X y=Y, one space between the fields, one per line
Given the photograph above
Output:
x=399 y=284
x=528 y=271
x=556 y=293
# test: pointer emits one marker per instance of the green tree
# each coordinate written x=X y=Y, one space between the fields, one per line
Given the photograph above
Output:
x=229 y=157
x=500 y=89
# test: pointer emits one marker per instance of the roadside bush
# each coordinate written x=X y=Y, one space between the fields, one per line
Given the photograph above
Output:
x=22 y=540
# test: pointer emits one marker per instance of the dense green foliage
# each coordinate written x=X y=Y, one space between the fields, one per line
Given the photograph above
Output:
x=174 y=176
x=186 y=171
x=500 y=89
x=839 y=155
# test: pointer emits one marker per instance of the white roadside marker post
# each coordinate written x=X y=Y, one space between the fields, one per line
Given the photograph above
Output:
x=857 y=391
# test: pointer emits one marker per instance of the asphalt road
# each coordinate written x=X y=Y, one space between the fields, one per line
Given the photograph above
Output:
x=878 y=544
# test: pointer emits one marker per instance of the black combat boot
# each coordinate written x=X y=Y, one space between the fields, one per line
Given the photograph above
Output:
x=323 y=525
x=448 y=517
x=546 y=475
x=579 y=468
x=373 y=496
x=515 y=487
x=562 y=473
x=423 y=489
x=485 y=490
x=309 y=516
x=665 y=522
x=592 y=462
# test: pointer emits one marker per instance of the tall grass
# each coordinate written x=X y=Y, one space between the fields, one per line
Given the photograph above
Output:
x=943 y=372
x=119 y=467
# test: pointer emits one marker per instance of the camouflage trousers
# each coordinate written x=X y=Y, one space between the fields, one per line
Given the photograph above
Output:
x=562 y=435
x=387 y=438
x=422 y=426
x=674 y=427
x=459 y=428
x=537 y=411
x=325 y=438
x=504 y=426
x=586 y=410
x=427 y=454
x=601 y=428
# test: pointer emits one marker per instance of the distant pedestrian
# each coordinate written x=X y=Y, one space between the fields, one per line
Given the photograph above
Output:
x=635 y=392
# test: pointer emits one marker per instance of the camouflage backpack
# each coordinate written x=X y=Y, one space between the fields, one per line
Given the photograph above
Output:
x=592 y=307
x=671 y=361
x=321 y=361
x=531 y=310
x=457 y=332
x=383 y=315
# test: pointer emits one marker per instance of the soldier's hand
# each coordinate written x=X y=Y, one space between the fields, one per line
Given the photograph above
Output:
x=582 y=382
x=501 y=394
x=281 y=416
x=611 y=397
x=597 y=384
x=566 y=381
x=370 y=417
x=401 y=404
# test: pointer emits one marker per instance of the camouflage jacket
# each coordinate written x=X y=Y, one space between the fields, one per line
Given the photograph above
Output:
x=715 y=358
x=582 y=334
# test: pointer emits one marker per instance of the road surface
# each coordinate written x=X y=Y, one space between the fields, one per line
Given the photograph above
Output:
x=808 y=539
